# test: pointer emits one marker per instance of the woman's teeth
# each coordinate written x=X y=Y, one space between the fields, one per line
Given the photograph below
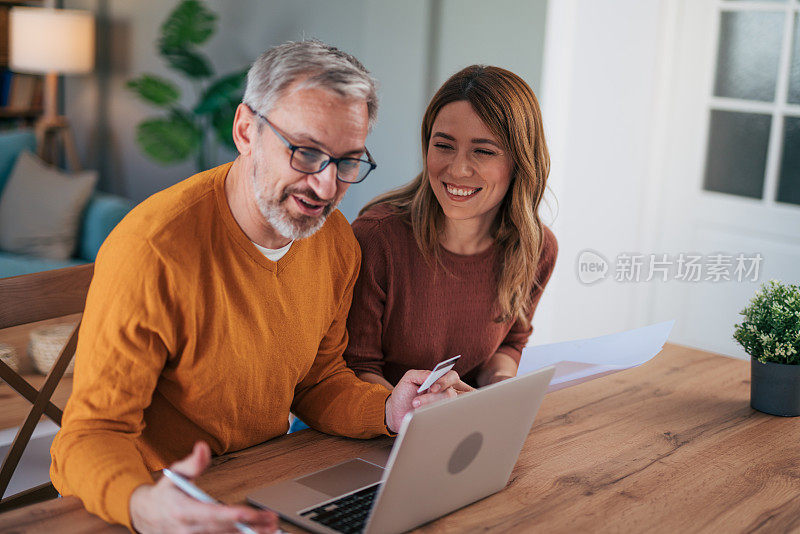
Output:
x=461 y=191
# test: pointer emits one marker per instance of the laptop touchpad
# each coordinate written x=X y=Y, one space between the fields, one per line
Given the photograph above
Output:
x=343 y=478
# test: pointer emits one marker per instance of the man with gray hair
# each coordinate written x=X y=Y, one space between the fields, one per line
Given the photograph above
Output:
x=219 y=305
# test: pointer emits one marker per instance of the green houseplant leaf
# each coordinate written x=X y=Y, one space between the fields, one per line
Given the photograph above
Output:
x=222 y=92
x=169 y=140
x=222 y=122
x=192 y=130
x=192 y=64
x=189 y=23
x=770 y=331
x=154 y=89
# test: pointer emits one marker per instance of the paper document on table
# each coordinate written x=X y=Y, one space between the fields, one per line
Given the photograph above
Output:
x=586 y=359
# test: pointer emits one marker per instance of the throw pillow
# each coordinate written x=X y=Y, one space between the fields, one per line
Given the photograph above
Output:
x=12 y=144
x=41 y=207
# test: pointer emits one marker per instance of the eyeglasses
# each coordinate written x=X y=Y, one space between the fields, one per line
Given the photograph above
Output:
x=310 y=160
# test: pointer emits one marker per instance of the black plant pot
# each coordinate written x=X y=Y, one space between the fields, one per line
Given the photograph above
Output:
x=775 y=388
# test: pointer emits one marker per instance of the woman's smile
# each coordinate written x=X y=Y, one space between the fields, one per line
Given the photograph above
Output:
x=460 y=193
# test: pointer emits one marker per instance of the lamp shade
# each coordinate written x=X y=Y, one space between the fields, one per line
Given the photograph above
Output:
x=46 y=40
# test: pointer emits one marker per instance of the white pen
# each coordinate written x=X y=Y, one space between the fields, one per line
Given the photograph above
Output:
x=193 y=491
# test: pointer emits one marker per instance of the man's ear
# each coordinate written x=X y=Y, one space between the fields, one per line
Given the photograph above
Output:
x=244 y=129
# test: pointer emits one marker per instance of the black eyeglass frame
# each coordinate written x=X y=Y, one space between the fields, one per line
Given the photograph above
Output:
x=294 y=148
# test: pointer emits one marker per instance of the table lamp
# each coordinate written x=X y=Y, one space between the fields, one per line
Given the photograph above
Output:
x=52 y=41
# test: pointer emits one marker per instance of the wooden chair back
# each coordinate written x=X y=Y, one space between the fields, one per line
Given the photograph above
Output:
x=27 y=299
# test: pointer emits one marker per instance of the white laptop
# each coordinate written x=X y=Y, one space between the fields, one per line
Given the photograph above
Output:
x=446 y=456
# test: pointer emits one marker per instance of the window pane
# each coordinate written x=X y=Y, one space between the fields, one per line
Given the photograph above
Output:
x=737 y=153
x=749 y=50
x=794 y=76
x=789 y=181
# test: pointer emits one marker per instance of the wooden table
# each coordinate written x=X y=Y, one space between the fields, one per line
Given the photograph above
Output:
x=671 y=446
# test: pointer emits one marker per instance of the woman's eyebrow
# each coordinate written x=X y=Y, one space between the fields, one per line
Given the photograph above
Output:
x=476 y=140
x=488 y=141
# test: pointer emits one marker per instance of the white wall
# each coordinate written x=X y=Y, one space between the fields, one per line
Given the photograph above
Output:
x=599 y=101
x=396 y=49
x=507 y=34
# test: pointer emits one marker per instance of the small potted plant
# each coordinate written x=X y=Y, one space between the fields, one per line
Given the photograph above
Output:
x=770 y=333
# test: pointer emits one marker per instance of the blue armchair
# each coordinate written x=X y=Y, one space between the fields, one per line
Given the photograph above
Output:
x=101 y=215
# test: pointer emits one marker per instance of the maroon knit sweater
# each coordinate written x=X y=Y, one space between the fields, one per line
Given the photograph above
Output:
x=407 y=314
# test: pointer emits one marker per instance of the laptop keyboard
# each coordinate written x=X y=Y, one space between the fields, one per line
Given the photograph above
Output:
x=348 y=514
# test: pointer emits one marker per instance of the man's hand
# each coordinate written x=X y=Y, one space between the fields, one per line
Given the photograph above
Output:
x=164 y=508
x=404 y=397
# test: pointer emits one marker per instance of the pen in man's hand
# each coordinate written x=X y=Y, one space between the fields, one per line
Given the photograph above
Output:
x=193 y=491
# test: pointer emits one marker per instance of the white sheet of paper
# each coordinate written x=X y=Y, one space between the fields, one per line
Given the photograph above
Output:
x=586 y=359
x=439 y=371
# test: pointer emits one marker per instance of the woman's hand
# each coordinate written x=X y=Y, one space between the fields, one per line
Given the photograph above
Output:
x=497 y=378
x=499 y=367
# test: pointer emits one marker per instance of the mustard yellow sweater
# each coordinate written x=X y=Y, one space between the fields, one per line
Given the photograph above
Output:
x=190 y=333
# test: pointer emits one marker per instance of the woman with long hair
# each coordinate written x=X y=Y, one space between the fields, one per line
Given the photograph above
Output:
x=455 y=261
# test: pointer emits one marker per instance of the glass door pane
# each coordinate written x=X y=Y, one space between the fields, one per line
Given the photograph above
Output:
x=737 y=153
x=748 y=54
x=789 y=180
x=793 y=97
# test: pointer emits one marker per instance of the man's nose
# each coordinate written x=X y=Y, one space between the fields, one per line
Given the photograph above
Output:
x=324 y=182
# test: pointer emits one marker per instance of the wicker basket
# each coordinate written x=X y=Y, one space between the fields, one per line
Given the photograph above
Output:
x=9 y=355
x=46 y=344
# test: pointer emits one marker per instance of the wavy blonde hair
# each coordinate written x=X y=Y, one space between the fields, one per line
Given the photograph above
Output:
x=508 y=107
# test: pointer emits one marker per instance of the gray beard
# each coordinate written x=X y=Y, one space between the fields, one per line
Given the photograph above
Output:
x=279 y=218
